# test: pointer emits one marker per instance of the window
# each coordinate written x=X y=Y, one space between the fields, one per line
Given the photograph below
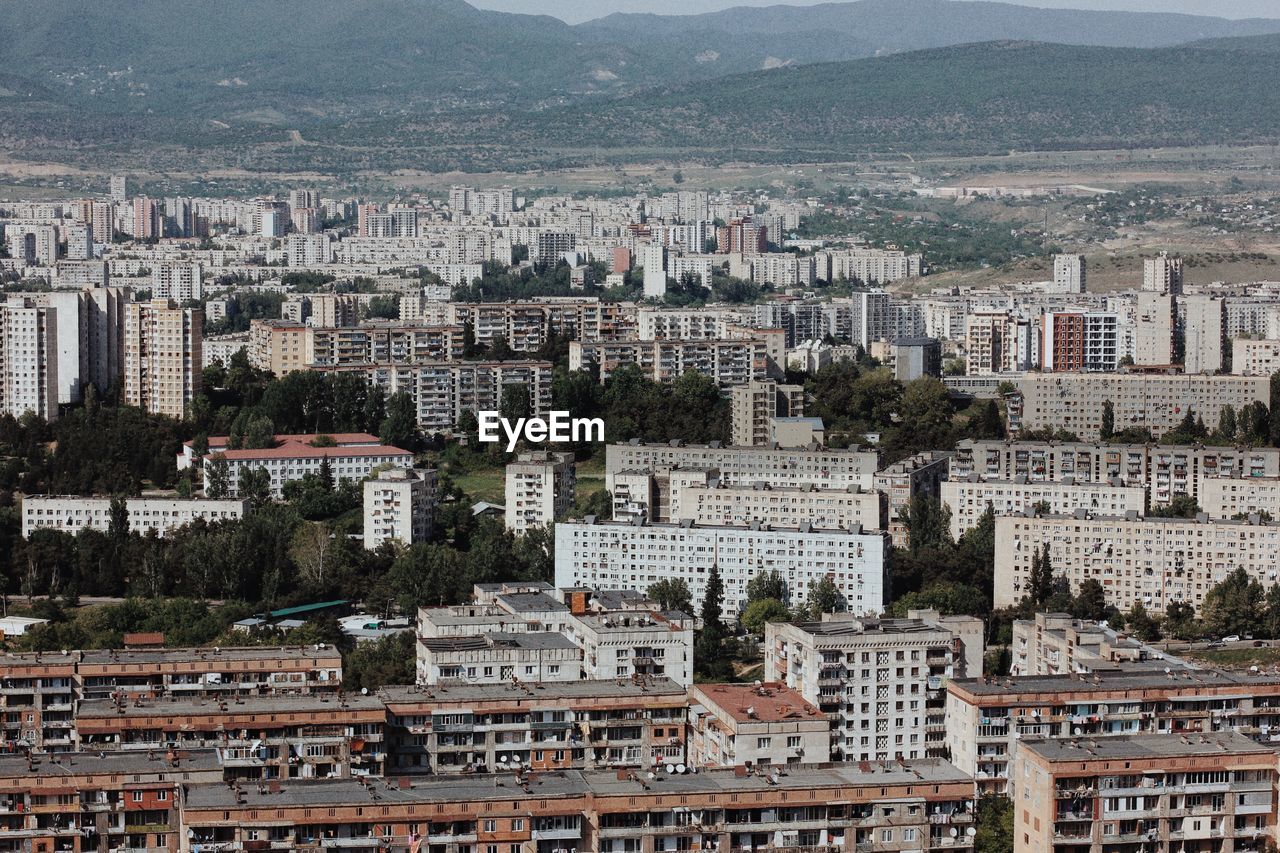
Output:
x=491 y=826
x=763 y=742
x=137 y=796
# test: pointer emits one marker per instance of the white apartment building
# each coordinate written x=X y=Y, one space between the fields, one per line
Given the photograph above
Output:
x=988 y=347
x=1254 y=357
x=309 y=250
x=177 y=280
x=29 y=379
x=1155 y=561
x=399 y=506
x=753 y=407
x=653 y=258
x=880 y=682
x=683 y=324
x=636 y=556
x=790 y=467
x=869 y=266
x=634 y=644
x=969 y=498
x=714 y=503
x=351 y=457
x=1165 y=471
x=1155 y=329
x=1057 y=644
x=1222 y=497
x=540 y=488
x=71 y=514
x=1074 y=401
x=1162 y=274
x=1069 y=274
x=498 y=658
x=1206 y=346
x=162 y=356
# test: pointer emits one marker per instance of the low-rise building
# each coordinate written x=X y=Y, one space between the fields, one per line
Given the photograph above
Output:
x=496 y=657
x=71 y=514
x=988 y=718
x=879 y=681
x=1214 y=791
x=1228 y=497
x=1058 y=644
x=349 y=456
x=764 y=726
x=744 y=505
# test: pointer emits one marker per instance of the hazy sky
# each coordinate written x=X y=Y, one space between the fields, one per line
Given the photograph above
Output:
x=574 y=11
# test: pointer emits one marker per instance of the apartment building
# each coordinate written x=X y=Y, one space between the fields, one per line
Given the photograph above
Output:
x=1255 y=357
x=778 y=466
x=255 y=737
x=29 y=380
x=495 y=657
x=684 y=324
x=1165 y=471
x=349 y=456
x=762 y=726
x=162 y=356
x=331 y=310
x=1057 y=644
x=562 y=725
x=988 y=345
x=1155 y=561
x=1206 y=344
x=916 y=804
x=540 y=488
x=921 y=475
x=755 y=405
x=1197 y=792
x=399 y=506
x=988 y=718
x=279 y=346
x=880 y=682
x=1069 y=274
x=1239 y=498
x=83 y=801
x=1155 y=333
x=727 y=362
x=526 y=326
x=624 y=555
x=713 y=503
x=1081 y=341
x=134 y=674
x=443 y=391
x=71 y=514
x=1074 y=401
x=641 y=644
x=377 y=343
x=1162 y=274
x=177 y=280
x=968 y=499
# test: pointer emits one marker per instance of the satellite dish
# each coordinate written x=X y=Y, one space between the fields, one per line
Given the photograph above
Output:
x=364 y=691
x=954 y=832
x=971 y=832
x=651 y=775
x=670 y=768
x=1077 y=731
x=680 y=768
x=774 y=777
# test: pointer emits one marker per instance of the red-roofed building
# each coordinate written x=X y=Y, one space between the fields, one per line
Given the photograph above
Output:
x=351 y=456
x=761 y=725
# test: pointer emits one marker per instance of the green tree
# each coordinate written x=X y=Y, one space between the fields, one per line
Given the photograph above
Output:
x=1090 y=601
x=1108 y=428
x=1227 y=425
x=254 y=486
x=762 y=611
x=217 y=477
x=1233 y=606
x=1180 y=621
x=928 y=523
x=672 y=594
x=824 y=597
x=766 y=585
x=1140 y=623
x=1273 y=430
x=400 y=427
x=994 y=825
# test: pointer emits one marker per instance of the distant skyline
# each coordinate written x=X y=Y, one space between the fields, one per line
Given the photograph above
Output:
x=576 y=11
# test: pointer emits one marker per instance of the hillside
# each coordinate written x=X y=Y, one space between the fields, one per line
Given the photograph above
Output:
x=982 y=97
x=284 y=60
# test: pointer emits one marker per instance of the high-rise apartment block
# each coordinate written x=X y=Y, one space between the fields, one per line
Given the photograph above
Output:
x=162 y=356
x=1069 y=274
x=539 y=489
x=399 y=506
x=755 y=405
x=1162 y=274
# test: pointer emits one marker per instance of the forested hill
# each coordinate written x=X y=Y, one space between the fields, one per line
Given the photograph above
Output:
x=982 y=97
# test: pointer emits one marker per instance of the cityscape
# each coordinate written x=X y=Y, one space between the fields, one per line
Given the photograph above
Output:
x=839 y=428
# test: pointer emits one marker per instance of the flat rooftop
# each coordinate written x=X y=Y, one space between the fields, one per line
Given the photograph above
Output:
x=126 y=762
x=546 y=691
x=1160 y=746
x=134 y=656
x=771 y=702
x=563 y=784
x=169 y=706
x=1118 y=678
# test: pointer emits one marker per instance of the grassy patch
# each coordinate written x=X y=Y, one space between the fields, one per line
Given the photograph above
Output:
x=1237 y=658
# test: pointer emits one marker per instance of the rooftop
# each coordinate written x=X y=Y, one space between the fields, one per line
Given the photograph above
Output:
x=1117 y=678
x=175 y=705
x=126 y=762
x=543 y=691
x=771 y=702
x=1160 y=746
